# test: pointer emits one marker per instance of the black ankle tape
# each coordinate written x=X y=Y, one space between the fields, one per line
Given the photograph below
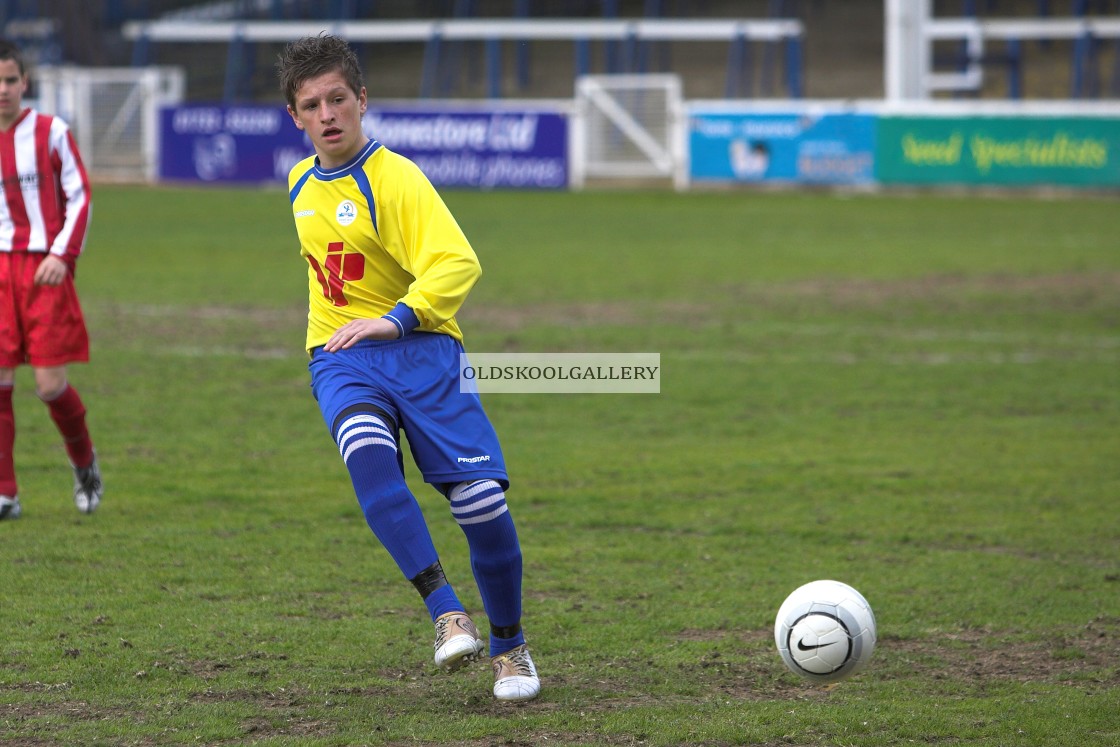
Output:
x=505 y=631
x=429 y=579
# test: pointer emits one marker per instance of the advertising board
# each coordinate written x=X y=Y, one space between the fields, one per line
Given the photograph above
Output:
x=798 y=147
x=478 y=148
x=998 y=150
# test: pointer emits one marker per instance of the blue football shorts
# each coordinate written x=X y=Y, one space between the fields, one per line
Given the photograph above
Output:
x=415 y=382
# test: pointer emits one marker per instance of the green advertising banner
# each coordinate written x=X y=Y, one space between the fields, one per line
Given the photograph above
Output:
x=1014 y=151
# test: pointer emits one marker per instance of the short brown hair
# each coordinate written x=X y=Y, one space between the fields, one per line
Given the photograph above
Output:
x=9 y=51
x=313 y=56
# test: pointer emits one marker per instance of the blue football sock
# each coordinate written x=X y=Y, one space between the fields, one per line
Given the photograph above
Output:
x=441 y=601
x=370 y=451
x=499 y=645
x=480 y=509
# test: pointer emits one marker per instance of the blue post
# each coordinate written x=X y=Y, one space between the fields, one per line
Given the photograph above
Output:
x=775 y=9
x=610 y=10
x=458 y=54
x=639 y=54
x=736 y=57
x=793 y=66
x=494 y=68
x=1044 y=11
x=963 y=55
x=1080 y=58
x=234 y=61
x=583 y=57
x=430 y=70
x=141 y=51
x=249 y=58
x=1092 y=73
x=748 y=68
x=766 y=69
x=1014 y=70
x=521 y=10
x=652 y=9
x=630 y=53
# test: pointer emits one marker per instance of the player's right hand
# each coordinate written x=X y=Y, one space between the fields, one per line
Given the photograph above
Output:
x=361 y=329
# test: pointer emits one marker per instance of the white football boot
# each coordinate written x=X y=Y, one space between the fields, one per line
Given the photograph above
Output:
x=515 y=677
x=457 y=641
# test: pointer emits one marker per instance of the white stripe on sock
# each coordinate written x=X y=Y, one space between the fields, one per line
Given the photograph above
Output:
x=467 y=508
x=345 y=437
x=367 y=442
x=484 y=517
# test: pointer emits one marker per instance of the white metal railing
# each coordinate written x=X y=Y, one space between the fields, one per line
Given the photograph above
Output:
x=1023 y=28
x=737 y=32
x=469 y=29
x=911 y=30
x=973 y=32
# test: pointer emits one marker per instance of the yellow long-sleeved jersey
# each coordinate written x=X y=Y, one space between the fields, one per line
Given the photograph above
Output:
x=376 y=233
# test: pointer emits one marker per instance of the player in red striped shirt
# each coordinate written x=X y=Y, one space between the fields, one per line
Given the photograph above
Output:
x=44 y=216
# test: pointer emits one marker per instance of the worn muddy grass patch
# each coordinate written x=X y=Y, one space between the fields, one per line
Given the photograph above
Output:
x=187 y=327
x=199 y=331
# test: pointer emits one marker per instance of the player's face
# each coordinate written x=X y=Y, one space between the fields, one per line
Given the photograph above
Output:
x=12 y=87
x=329 y=112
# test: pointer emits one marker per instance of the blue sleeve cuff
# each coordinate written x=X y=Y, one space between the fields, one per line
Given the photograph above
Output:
x=404 y=318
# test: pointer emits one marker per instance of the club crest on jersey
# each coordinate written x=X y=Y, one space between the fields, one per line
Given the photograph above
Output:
x=346 y=213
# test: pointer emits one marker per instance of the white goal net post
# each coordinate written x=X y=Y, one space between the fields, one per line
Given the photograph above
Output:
x=629 y=127
x=113 y=113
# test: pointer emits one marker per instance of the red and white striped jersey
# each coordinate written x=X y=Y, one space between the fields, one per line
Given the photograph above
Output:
x=45 y=200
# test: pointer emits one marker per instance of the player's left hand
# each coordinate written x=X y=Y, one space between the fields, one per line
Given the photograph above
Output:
x=361 y=329
x=51 y=271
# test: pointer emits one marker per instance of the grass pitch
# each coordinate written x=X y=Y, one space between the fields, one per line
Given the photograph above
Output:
x=918 y=395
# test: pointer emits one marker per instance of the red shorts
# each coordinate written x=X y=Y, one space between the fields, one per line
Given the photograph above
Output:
x=39 y=324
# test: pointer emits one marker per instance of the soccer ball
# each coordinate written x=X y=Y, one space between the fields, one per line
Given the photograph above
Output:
x=825 y=631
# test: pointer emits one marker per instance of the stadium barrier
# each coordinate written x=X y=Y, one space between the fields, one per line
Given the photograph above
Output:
x=541 y=145
x=480 y=145
x=631 y=33
x=874 y=143
x=1004 y=147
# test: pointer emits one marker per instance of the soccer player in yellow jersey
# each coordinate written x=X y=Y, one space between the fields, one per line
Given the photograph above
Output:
x=387 y=269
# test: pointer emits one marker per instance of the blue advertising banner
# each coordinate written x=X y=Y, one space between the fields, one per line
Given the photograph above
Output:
x=229 y=144
x=481 y=149
x=824 y=148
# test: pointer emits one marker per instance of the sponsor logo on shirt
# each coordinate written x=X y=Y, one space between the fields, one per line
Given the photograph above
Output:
x=27 y=182
x=304 y=213
x=474 y=459
x=346 y=213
